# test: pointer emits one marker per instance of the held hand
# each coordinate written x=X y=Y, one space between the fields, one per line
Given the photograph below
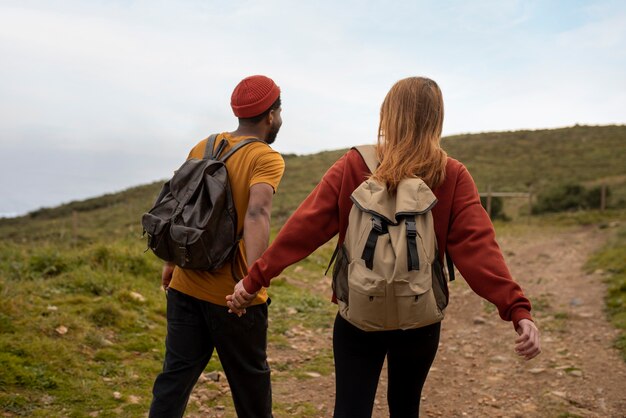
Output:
x=166 y=275
x=527 y=345
x=239 y=300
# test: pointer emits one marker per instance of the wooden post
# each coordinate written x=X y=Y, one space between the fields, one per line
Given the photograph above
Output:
x=603 y=197
x=489 y=200
x=74 y=227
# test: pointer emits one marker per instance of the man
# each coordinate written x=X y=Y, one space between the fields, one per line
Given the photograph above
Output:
x=197 y=317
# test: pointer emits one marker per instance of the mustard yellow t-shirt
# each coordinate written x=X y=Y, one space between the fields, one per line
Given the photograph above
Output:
x=252 y=164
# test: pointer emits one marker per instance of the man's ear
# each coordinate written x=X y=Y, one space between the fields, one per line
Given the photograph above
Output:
x=270 y=117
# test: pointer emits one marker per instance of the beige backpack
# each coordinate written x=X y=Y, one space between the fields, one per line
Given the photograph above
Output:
x=387 y=274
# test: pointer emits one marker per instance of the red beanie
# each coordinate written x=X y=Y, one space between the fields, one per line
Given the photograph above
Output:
x=253 y=96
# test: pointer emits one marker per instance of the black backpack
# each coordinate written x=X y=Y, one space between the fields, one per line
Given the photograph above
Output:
x=193 y=222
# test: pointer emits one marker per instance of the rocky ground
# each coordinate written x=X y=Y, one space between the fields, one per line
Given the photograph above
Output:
x=476 y=372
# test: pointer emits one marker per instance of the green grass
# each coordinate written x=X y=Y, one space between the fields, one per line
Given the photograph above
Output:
x=72 y=332
x=113 y=340
x=612 y=260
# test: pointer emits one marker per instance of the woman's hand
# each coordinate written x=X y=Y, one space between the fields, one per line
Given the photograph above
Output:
x=239 y=300
x=527 y=345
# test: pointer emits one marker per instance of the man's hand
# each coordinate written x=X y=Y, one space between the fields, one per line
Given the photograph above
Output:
x=527 y=345
x=166 y=275
x=239 y=300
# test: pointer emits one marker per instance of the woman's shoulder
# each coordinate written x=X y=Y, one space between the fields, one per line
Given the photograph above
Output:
x=453 y=164
x=454 y=169
x=351 y=158
x=457 y=179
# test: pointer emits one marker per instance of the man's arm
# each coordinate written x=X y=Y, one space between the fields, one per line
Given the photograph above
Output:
x=256 y=235
x=256 y=224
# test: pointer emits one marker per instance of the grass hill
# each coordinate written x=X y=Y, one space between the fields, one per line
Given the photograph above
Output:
x=81 y=311
x=508 y=161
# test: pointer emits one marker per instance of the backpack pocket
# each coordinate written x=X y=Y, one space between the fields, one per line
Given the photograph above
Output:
x=366 y=298
x=189 y=251
x=415 y=301
x=157 y=228
x=440 y=286
x=340 y=275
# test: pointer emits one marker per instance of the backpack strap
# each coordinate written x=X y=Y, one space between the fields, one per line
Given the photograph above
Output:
x=332 y=259
x=208 y=149
x=211 y=153
x=450 y=267
x=237 y=147
x=411 y=242
x=379 y=227
x=368 y=153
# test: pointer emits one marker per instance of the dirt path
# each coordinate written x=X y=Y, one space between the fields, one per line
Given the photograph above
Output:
x=476 y=373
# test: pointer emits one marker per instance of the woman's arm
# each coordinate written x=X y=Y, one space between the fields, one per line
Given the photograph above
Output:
x=473 y=247
x=314 y=222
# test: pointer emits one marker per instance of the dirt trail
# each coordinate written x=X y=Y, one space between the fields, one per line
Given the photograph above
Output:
x=476 y=373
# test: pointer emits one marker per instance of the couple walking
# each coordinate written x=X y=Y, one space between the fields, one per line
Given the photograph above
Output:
x=208 y=311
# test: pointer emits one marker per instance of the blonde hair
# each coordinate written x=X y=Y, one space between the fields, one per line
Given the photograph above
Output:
x=409 y=134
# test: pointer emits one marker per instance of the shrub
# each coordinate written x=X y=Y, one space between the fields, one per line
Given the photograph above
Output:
x=120 y=261
x=6 y=324
x=593 y=197
x=104 y=316
x=568 y=197
x=47 y=264
x=18 y=371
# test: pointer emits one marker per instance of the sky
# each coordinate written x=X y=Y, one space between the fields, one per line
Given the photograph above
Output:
x=97 y=96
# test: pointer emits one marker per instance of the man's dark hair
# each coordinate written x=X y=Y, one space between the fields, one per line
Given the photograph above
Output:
x=256 y=119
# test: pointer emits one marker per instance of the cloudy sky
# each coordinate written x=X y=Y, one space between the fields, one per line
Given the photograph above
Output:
x=97 y=96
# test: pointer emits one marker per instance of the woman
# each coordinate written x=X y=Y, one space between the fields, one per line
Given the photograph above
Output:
x=411 y=120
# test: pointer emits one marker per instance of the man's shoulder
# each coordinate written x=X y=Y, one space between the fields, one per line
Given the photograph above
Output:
x=197 y=151
x=260 y=153
x=262 y=148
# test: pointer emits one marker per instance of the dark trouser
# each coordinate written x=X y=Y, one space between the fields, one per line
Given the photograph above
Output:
x=359 y=358
x=194 y=329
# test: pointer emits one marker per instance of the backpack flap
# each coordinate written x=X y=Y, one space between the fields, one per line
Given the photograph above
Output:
x=187 y=178
x=413 y=197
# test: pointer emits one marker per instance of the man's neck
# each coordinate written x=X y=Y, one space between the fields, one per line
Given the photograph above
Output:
x=254 y=131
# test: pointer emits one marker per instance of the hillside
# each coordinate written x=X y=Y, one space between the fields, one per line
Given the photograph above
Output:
x=82 y=314
x=508 y=161
x=514 y=160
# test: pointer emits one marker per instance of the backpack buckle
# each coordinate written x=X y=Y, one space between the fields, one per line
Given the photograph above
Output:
x=411 y=229
x=377 y=224
x=184 y=255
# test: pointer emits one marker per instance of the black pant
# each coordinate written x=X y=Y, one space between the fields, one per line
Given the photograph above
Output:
x=194 y=329
x=359 y=358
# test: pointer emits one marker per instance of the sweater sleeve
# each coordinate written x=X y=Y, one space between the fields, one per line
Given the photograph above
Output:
x=474 y=250
x=314 y=222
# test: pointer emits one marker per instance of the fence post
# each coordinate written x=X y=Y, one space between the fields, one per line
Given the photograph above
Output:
x=74 y=228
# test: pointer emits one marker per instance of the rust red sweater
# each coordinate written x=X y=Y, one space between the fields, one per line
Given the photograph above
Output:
x=461 y=224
